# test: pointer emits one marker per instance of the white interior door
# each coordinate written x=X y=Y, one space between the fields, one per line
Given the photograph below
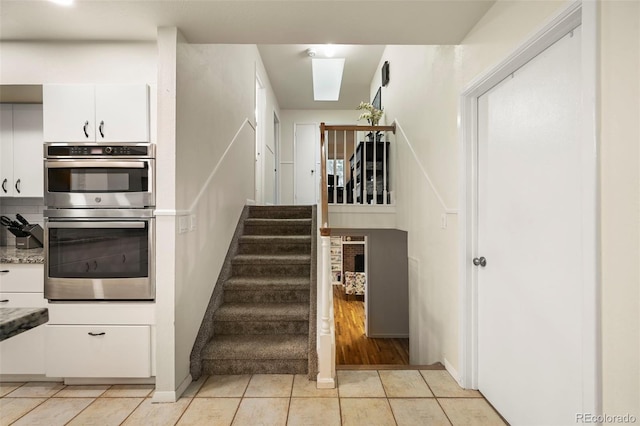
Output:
x=530 y=298
x=307 y=140
x=269 y=176
x=260 y=143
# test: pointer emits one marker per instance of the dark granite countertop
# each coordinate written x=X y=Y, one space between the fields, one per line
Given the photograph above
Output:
x=14 y=255
x=14 y=321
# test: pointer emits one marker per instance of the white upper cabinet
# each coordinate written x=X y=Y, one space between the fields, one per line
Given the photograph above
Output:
x=6 y=149
x=21 y=150
x=96 y=113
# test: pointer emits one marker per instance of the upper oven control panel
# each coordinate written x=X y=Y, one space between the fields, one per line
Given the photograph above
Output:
x=61 y=150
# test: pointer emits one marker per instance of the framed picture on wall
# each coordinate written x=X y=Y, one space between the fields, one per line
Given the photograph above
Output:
x=377 y=99
x=385 y=73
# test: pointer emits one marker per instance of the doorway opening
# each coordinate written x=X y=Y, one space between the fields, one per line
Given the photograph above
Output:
x=350 y=279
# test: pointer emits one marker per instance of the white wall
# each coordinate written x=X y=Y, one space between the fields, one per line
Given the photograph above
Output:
x=215 y=145
x=422 y=95
x=620 y=198
x=287 y=120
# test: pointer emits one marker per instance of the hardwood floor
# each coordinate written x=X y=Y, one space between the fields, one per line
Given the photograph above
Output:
x=352 y=346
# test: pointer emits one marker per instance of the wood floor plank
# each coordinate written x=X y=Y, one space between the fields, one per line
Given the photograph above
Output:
x=352 y=346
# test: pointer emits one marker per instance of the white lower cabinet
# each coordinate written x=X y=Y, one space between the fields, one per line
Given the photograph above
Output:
x=25 y=352
x=98 y=351
x=22 y=278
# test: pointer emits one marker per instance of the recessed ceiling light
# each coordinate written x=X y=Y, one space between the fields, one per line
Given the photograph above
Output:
x=62 y=2
x=327 y=78
x=329 y=50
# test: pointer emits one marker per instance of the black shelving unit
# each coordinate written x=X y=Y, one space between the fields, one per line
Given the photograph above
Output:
x=362 y=168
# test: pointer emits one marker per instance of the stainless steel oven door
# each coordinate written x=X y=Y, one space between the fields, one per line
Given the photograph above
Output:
x=99 y=183
x=109 y=256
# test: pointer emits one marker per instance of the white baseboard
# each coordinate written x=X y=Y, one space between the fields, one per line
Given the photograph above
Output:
x=109 y=381
x=160 y=397
x=172 y=396
x=453 y=372
x=326 y=383
x=251 y=202
x=28 y=378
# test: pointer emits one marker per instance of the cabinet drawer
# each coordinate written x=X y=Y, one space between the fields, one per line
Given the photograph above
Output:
x=22 y=300
x=22 y=278
x=98 y=351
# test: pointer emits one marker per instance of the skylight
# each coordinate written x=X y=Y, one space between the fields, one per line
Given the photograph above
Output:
x=327 y=78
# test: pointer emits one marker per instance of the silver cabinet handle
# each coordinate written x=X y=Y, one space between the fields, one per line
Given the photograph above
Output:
x=4 y=186
x=84 y=129
x=101 y=128
x=18 y=186
x=63 y=164
x=96 y=334
x=480 y=261
x=96 y=225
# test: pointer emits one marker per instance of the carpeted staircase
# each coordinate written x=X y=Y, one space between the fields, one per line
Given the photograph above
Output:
x=261 y=322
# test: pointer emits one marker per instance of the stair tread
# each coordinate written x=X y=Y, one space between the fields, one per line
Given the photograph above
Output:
x=277 y=221
x=267 y=283
x=258 y=346
x=272 y=258
x=262 y=312
x=275 y=238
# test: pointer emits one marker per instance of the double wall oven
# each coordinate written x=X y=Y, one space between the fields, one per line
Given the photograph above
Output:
x=99 y=222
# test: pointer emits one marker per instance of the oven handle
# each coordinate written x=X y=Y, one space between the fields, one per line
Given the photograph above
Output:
x=96 y=164
x=97 y=225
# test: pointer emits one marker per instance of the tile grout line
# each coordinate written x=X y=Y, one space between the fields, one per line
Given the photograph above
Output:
x=88 y=405
x=436 y=398
x=386 y=396
x=293 y=380
x=45 y=400
x=244 y=392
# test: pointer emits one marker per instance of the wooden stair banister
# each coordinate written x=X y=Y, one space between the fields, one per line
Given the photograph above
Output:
x=324 y=192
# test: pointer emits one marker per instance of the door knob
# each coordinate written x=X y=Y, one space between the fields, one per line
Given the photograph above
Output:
x=480 y=261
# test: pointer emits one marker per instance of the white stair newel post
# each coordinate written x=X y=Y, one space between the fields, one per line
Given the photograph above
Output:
x=326 y=369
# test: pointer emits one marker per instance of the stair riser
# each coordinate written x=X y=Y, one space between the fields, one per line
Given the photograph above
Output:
x=240 y=366
x=252 y=229
x=281 y=213
x=276 y=270
x=274 y=248
x=264 y=296
x=261 y=327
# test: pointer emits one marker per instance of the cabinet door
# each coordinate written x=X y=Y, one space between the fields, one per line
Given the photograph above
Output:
x=122 y=113
x=6 y=149
x=25 y=352
x=68 y=112
x=27 y=151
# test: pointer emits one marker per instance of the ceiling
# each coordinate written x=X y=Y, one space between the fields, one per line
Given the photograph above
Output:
x=283 y=30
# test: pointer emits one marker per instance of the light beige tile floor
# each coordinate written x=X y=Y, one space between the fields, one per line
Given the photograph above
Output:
x=363 y=397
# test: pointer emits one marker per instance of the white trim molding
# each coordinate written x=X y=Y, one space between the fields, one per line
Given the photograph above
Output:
x=574 y=14
x=446 y=209
x=194 y=204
